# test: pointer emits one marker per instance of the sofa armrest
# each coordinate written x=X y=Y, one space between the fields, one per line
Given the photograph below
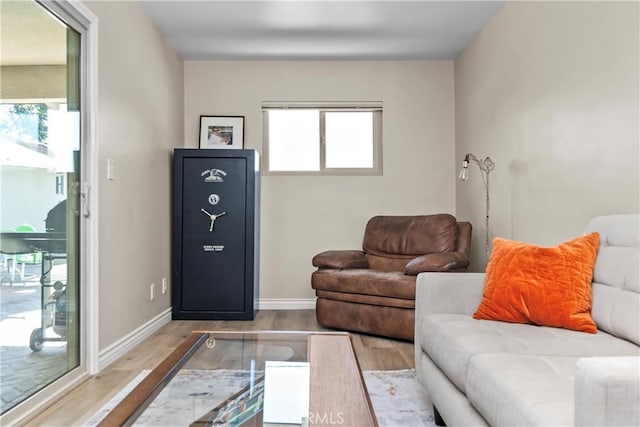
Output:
x=446 y=293
x=446 y=261
x=340 y=259
x=607 y=391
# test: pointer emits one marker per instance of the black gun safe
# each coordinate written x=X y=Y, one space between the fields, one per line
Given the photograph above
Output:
x=216 y=200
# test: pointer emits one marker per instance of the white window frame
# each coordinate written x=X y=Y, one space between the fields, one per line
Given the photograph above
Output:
x=79 y=17
x=375 y=107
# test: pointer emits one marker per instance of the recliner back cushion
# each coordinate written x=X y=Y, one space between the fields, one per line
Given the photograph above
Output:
x=399 y=236
x=616 y=281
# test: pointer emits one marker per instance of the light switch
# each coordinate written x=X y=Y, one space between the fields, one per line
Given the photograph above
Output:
x=110 y=170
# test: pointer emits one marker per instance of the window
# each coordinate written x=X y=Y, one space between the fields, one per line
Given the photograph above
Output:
x=315 y=139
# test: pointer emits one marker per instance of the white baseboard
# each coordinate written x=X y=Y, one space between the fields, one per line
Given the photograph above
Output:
x=286 y=303
x=129 y=341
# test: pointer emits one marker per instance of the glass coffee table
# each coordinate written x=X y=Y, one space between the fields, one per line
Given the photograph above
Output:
x=217 y=378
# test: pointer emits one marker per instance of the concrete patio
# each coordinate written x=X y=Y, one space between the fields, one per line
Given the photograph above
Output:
x=22 y=371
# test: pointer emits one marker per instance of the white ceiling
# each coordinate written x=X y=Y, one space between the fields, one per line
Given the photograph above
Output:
x=272 y=30
x=320 y=30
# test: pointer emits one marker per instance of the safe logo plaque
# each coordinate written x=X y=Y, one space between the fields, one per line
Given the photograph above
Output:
x=214 y=175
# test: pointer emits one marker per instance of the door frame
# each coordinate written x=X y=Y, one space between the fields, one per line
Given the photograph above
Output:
x=80 y=18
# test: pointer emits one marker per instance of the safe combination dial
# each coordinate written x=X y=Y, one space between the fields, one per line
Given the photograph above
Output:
x=212 y=217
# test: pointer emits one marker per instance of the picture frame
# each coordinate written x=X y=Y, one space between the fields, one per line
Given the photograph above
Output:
x=222 y=132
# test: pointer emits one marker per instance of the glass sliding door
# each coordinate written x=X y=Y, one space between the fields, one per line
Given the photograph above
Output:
x=40 y=152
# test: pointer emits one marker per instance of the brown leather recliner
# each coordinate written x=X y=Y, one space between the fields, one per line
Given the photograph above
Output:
x=373 y=290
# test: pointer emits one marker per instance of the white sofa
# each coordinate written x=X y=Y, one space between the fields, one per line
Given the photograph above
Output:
x=484 y=372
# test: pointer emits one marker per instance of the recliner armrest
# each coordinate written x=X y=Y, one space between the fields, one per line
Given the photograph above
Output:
x=446 y=261
x=340 y=259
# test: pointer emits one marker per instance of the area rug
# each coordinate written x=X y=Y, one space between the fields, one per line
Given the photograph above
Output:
x=397 y=397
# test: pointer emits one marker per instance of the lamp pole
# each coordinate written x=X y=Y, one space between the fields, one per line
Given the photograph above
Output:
x=486 y=165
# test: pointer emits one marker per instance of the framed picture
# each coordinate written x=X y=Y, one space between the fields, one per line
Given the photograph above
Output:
x=222 y=132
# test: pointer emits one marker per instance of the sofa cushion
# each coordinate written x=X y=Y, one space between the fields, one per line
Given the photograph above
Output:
x=451 y=340
x=545 y=286
x=510 y=390
x=616 y=277
x=366 y=282
x=410 y=235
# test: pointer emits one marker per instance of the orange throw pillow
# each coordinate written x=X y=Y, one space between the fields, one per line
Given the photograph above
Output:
x=543 y=286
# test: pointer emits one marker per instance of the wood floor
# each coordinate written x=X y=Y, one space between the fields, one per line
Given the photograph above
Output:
x=78 y=406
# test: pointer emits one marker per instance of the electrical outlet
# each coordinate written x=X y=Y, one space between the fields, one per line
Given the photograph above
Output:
x=152 y=294
x=164 y=285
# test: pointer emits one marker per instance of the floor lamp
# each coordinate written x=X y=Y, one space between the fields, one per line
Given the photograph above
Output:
x=486 y=165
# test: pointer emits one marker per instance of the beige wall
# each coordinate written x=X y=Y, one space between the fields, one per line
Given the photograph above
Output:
x=549 y=90
x=305 y=215
x=139 y=122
